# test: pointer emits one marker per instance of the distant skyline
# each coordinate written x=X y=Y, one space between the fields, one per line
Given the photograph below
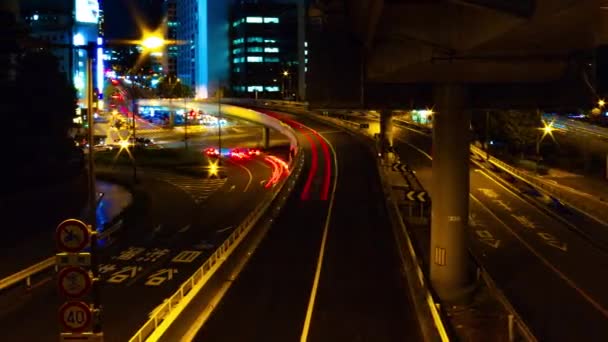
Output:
x=120 y=17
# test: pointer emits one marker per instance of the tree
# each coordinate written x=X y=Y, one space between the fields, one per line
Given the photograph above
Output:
x=44 y=105
x=171 y=87
x=518 y=128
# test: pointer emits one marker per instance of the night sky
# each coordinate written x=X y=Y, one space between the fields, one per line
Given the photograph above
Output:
x=120 y=14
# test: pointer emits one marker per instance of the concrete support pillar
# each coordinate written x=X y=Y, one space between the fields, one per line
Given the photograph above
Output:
x=386 y=130
x=265 y=137
x=450 y=271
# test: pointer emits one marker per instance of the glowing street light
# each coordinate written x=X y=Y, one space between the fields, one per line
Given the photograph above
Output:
x=153 y=42
x=601 y=103
x=546 y=129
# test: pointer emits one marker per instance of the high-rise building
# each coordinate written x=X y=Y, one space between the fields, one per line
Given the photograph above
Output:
x=202 y=61
x=170 y=24
x=264 y=49
x=68 y=23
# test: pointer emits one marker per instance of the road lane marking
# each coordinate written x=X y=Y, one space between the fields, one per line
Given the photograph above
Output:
x=184 y=228
x=315 y=284
x=570 y=283
x=548 y=264
x=224 y=229
x=248 y=173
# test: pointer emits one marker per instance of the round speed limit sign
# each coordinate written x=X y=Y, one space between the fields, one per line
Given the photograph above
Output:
x=75 y=316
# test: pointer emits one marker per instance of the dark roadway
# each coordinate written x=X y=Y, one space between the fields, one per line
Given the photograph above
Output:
x=553 y=275
x=361 y=293
x=171 y=222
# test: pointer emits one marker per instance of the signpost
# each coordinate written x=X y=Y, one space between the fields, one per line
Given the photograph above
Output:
x=72 y=236
x=75 y=281
x=75 y=317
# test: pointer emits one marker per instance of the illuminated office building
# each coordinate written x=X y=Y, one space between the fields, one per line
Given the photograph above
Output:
x=170 y=24
x=264 y=49
x=69 y=22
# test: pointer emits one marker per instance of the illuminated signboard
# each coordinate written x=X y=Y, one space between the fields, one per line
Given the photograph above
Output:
x=87 y=11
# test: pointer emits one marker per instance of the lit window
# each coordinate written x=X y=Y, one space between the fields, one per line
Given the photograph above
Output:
x=254 y=59
x=35 y=17
x=237 y=60
x=254 y=88
x=255 y=49
x=237 y=69
x=237 y=51
x=271 y=59
x=255 y=20
x=270 y=41
x=273 y=88
x=255 y=40
x=237 y=41
x=271 y=49
x=306 y=52
x=305 y=44
x=272 y=20
x=305 y=60
x=236 y=23
x=305 y=69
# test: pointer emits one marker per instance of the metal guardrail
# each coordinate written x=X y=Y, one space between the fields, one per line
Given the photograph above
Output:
x=29 y=272
x=168 y=311
x=552 y=191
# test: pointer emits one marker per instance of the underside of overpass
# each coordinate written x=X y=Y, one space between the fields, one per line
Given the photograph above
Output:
x=454 y=56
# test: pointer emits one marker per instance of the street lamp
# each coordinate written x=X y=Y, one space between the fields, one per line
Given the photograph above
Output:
x=150 y=42
x=547 y=129
x=601 y=103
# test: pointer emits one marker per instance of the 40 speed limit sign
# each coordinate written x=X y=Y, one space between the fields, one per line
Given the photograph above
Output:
x=75 y=316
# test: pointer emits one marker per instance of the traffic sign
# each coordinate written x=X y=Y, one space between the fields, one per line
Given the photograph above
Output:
x=419 y=196
x=74 y=282
x=72 y=235
x=399 y=167
x=75 y=316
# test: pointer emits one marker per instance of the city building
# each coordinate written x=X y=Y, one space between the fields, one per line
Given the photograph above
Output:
x=170 y=24
x=69 y=24
x=264 y=49
x=202 y=61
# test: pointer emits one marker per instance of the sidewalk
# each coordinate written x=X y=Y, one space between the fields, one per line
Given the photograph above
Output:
x=35 y=244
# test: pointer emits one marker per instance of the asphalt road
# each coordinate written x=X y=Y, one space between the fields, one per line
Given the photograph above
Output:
x=183 y=220
x=360 y=293
x=550 y=272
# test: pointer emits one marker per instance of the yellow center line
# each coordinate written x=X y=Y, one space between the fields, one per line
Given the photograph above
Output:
x=315 y=284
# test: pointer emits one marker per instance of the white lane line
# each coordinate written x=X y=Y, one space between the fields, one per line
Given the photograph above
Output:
x=224 y=229
x=315 y=284
x=248 y=173
x=547 y=263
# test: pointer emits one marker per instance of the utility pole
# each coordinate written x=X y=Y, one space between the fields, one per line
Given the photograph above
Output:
x=219 y=123
x=134 y=132
x=487 y=135
x=92 y=194
x=186 y=114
